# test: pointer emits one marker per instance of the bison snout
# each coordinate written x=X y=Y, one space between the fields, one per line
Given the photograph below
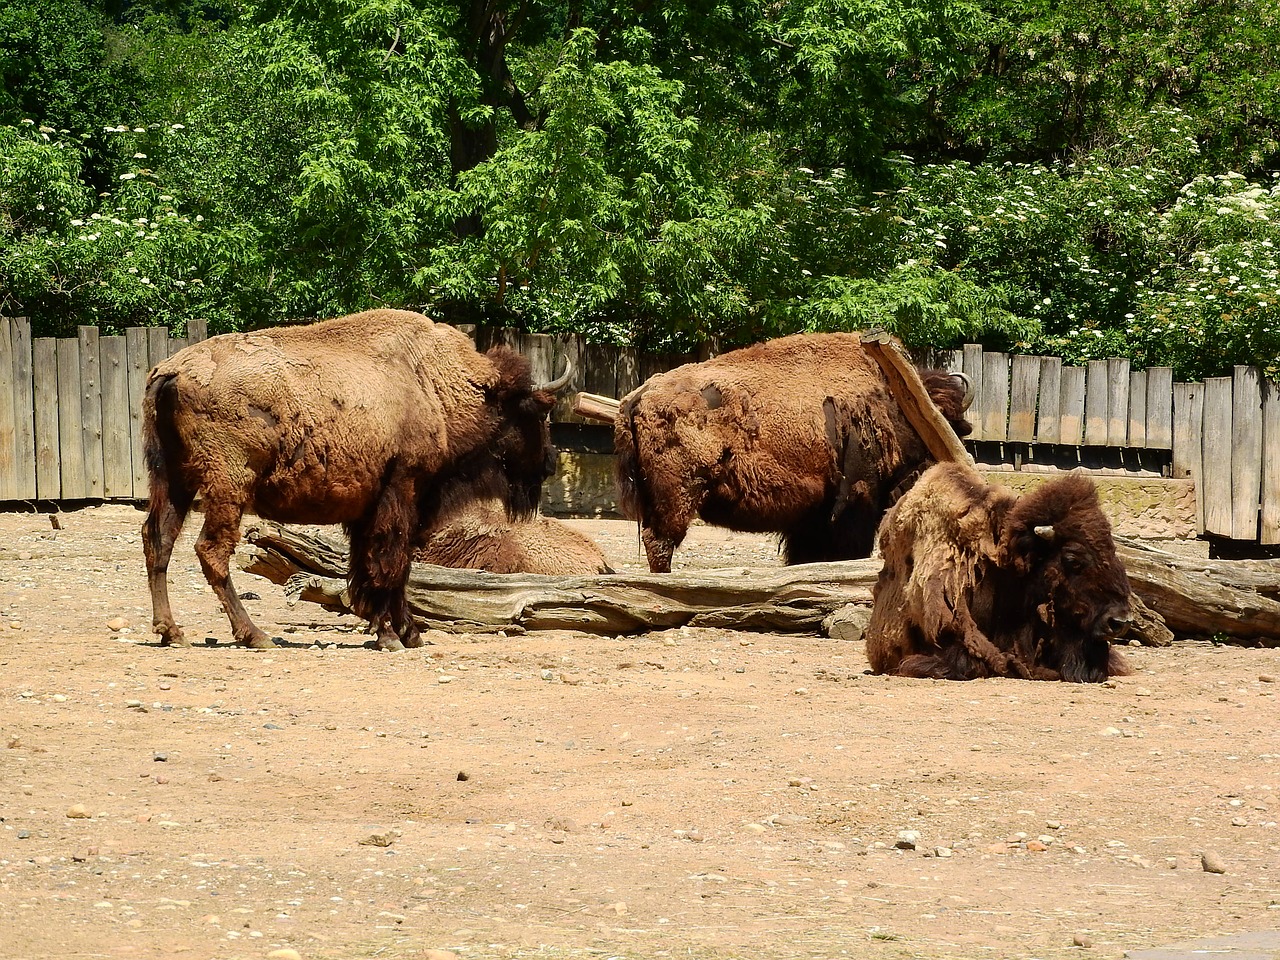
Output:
x=1114 y=623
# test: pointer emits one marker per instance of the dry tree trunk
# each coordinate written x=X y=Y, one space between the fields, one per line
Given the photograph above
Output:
x=1237 y=600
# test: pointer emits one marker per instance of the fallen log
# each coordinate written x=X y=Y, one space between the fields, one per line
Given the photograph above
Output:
x=593 y=406
x=1238 y=601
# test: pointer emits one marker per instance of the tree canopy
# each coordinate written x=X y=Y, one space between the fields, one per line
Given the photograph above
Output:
x=1088 y=179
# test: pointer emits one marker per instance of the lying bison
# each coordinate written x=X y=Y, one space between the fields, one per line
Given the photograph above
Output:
x=483 y=537
x=358 y=420
x=798 y=436
x=981 y=582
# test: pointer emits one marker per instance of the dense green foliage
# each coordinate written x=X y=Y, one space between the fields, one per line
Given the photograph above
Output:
x=1085 y=179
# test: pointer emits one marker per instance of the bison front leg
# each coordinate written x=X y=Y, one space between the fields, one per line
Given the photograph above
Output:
x=381 y=550
x=216 y=544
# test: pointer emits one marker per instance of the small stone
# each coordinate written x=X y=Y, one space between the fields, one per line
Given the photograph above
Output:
x=444 y=678
x=942 y=852
x=24 y=834
x=1210 y=862
x=161 y=778
x=272 y=726
x=907 y=839
x=78 y=812
x=619 y=909
x=285 y=953
x=161 y=758
x=695 y=836
x=1239 y=822
x=463 y=776
x=1262 y=677
x=116 y=624
x=1080 y=940
x=381 y=839
x=1035 y=846
x=548 y=674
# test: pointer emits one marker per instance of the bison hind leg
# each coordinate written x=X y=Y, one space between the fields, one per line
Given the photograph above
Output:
x=166 y=512
x=952 y=662
x=216 y=544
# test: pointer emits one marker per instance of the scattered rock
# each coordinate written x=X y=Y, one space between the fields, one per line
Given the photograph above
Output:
x=1080 y=940
x=848 y=623
x=116 y=624
x=907 y=839
x=463 y=776
x=1263 y=677
x=1210 y=862
x=161 y=758
x=78 y=812
x=942 y=852
x=381 y=839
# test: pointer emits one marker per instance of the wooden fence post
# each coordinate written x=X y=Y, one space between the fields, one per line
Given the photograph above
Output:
x=1160 y=408
x=117 y=453
x=1073 y=401
x=1096 y=416
x=1137 y=408
x=135 y=339
x=24 y=411
x=8 y=418
x=1246 y=452
x=1216 y=470
x=44 y=370
x=1117 y=401
x=1270 y=532
x=1049 y=412
x=971 y=366
x=88 y=344
x=1024 y=388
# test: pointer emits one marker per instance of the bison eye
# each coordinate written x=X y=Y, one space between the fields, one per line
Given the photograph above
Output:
x=1074 y=561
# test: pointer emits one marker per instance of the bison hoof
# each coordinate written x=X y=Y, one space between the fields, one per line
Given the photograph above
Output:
x=171 y=636
x=390 y=644
x=414 y=640
x=257 y=641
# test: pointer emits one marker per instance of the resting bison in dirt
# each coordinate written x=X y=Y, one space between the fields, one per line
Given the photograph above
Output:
x=483 y=537
x=361 y=420
x=981 y=582
x=798 y=435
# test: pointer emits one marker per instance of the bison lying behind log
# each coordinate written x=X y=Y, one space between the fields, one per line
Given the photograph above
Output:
x=981 y=582
x=799 y=435
x=360 y=420
x=483 y=537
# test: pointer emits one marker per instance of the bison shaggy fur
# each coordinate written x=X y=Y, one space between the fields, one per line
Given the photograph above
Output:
x=483 y=537
x=362 y=420
x=979 y=581
x=798 y=436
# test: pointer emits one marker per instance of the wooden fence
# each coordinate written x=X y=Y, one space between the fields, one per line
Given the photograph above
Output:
x=70 y=414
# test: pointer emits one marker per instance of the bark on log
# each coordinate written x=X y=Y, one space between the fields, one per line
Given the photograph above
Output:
x=1237 y=600
x=592 y=406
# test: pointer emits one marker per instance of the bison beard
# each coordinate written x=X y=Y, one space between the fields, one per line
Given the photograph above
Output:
x=798 y=436
x=979 y=582
x=363 y=420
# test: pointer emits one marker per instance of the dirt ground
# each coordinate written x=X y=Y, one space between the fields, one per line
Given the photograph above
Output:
x=693 y=793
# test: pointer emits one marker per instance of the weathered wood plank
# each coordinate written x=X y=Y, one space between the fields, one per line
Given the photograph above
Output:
x=1024 y=389
x=136 y=359
x=1216 y=470
x=71 y=452
x=971 y=366
x=1246 y=452
x=1049 y=409
x=1159 y=408
x=176 y=344
x=197 y=330
x=44 y=368
x=1072 y=404
x=628 y=371
x=570 y=350
x=24 y=410
x=117 y=456
x=1137 y=409
x=995 y=396
x=8 y=421
x=1096 y=394
x=543 y=354
x=1270 y=532
x=1117 y=402
x=1187 y=415
x=157 y=345
x=601 y=375
x=91 y=410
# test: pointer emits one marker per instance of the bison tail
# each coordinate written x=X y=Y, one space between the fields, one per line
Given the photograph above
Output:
x=632 y=495
x=161 y=442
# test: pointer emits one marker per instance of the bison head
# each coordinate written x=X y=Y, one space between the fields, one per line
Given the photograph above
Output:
x=1057 y=543
x=951 y=393
x=522 y=447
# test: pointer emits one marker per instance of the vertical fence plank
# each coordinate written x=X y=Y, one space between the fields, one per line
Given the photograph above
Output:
x=1159 y=408
x=1072 y=404
x=24 y=410
x=1049 y=410
x=117 y=457
x=651 y=364
x=628 y=371
x=1216 y=470
x=995 y=396
x=1187 y=415
x=8 y=419
x=1117 y=401
x=571 y=348
x=71 y=451
x=1270 y=463
x=157 y=345
x=1188 y=421
x=601 y=375
x=1095 y=404
x=176 y=344
x=971 y=365
x=1137 y=409
x=135 y=339
x=1246 y=452
x=91 y=410
x=44 y=368
x=1024 y=388
x=197 y=330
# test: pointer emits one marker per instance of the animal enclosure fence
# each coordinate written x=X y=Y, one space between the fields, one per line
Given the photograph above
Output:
x=70 y=413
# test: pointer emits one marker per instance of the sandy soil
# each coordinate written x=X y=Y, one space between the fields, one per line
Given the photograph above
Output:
x=703 y=794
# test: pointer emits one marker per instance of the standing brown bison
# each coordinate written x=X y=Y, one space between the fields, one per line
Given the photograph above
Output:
x=798 y=436
x=362 y=420
x=981 y=582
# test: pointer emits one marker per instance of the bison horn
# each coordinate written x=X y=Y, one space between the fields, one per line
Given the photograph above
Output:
x=559 y=382
x=968 y=388
x=1046 y=532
